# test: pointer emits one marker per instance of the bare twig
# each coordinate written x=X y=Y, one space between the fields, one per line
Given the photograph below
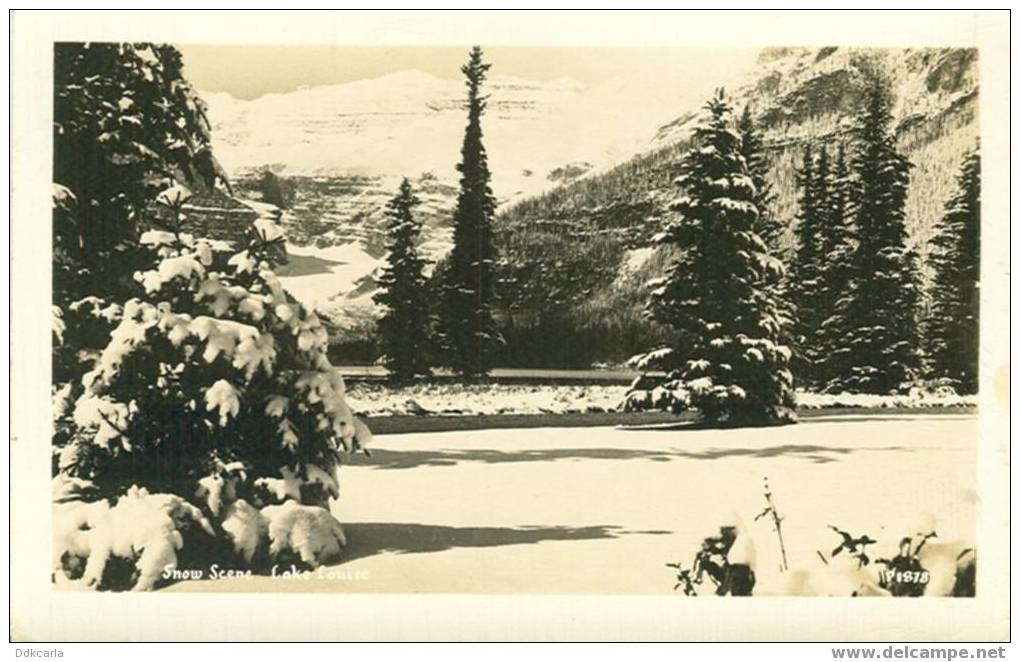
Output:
x=777 y=521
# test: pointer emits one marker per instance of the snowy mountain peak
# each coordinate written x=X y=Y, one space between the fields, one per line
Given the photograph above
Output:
x=409 y=122
x=344 y=148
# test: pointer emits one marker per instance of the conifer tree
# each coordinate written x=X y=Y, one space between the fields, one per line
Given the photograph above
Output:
x=768 y=227
x=809 y=264
x=210 y=429
x=405 y=327
x=468 y=332
x=880 y=353
x=126 y=126
x=837 y=247
x=953 y=323
x=729 y=363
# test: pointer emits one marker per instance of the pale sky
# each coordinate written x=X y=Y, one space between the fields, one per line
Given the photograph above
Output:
x=249 y=71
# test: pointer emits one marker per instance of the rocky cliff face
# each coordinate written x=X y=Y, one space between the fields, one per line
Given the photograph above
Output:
x=813 y=96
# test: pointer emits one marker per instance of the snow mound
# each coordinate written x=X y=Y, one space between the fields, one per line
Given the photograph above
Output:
x=913 y=400
x=246 y=528
x=142 y=528
x=309 y=532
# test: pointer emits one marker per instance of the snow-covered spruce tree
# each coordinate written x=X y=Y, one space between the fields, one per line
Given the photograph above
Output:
x=955 y=255
x=729 y=364
x=880 y=351
x=810 y=259
x=467 y=329
x=210 y=429
x=405 y=328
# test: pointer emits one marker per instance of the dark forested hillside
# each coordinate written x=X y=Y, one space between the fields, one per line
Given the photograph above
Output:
x=797 y=97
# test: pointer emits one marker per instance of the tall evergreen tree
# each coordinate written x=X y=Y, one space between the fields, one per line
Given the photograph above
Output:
x=805 y=284
x=955 y=255
x=405 y=327
x=836 y=244
x=468 y=332
x=729 y=363
x=880 y=353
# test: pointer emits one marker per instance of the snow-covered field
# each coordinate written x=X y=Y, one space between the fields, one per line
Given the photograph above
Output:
x=375 y=399
x=602 y=510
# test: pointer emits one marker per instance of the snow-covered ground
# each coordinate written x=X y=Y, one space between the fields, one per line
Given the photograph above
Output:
x=602 y=510
x=914 y=400
x=375 y=399
x=372 y=399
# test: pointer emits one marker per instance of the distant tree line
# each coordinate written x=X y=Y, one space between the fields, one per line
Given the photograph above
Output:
x=855 y=279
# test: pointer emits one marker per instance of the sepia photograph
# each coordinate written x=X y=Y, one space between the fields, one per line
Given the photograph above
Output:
x=378 y=317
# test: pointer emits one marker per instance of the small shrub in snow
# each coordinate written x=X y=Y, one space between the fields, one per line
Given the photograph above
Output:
x=727 y=561
x=919 y=568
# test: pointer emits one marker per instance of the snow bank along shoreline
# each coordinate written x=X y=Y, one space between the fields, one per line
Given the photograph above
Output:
x=424 y=399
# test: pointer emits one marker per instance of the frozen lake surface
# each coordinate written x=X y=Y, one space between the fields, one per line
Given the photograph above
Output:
x=601 y=510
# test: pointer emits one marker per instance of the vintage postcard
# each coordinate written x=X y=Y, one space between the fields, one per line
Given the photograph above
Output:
x=541 y=333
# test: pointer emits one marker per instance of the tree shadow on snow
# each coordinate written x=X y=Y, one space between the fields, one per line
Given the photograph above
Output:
x=371 y=538
x=812 y=452
x=382 y=458
x=306 y=265
x=395 y=459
